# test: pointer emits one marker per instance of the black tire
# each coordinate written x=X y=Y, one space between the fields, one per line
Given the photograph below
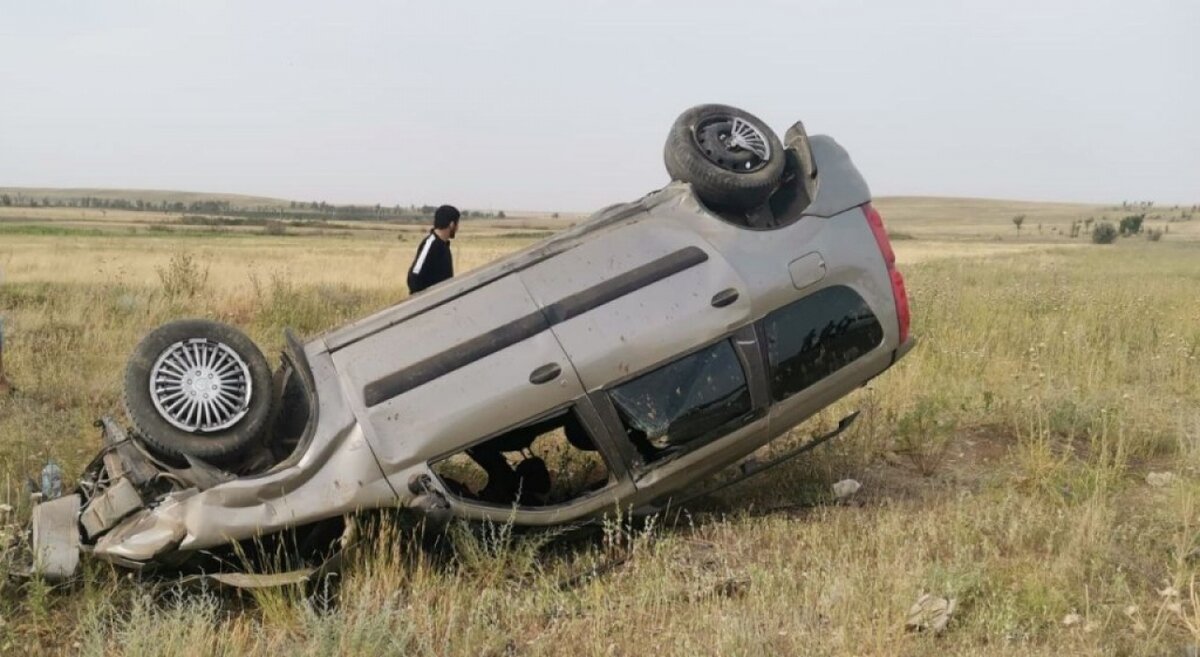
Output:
x=218 y=445
x=724 y=176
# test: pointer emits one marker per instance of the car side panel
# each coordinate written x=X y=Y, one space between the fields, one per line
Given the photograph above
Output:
x=651 y=322
x=850 y=256
x=418 y=413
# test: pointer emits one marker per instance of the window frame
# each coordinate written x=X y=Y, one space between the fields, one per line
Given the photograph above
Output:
x=764 y=341
x=597 y=431
x=747 y=347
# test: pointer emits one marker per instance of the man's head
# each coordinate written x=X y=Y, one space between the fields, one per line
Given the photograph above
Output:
x=445 y=220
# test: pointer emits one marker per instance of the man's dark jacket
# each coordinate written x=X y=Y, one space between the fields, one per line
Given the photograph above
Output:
x=432 y=265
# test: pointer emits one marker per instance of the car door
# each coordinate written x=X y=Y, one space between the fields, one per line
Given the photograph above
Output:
x=454 y=375
x=650 y=300
x=635 y=296
x=816 y=348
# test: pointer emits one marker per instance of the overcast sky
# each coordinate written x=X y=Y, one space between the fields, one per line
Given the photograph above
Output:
x=519 y=104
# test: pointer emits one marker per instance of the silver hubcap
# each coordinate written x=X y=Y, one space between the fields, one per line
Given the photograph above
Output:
x=200 y=385
x=746 y=136
x=733 y=144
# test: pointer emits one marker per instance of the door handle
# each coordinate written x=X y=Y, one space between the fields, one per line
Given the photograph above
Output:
x=545 y=374
x=724 y=298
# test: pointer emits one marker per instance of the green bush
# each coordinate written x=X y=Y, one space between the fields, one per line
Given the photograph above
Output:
x=1104 y=233
x=1132 y=225
x=183 y=278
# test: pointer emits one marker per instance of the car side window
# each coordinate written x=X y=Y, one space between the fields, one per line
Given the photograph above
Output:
x=685 y=403
x=816 y=336
x=546 y=462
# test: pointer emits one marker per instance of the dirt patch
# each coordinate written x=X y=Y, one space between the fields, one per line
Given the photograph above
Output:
x=974 y=457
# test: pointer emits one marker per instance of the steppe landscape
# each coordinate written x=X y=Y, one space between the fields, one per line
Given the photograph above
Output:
x=1035 y=458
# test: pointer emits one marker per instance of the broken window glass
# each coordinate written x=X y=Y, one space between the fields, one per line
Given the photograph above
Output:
x=814 y=337
x=685 y=403
x=547 y=462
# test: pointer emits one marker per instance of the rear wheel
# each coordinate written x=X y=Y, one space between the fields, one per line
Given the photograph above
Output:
x=732 y=159
x=198 y=388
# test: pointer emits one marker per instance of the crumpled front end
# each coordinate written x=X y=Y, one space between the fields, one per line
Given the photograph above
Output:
x=122 y=499
x=133 y=509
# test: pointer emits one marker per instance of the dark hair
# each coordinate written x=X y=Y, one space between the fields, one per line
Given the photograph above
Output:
x=445 y=215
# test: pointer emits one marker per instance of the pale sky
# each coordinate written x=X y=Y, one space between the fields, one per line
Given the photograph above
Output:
x=522 y=104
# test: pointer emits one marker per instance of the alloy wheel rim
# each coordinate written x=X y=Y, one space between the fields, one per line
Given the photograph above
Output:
x=200 y=386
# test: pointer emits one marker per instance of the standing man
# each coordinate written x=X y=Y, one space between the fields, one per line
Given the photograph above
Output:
x=434 y=263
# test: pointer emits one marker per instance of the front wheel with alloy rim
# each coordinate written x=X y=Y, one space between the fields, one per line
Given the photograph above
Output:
x=198 y=388
x=732 y=159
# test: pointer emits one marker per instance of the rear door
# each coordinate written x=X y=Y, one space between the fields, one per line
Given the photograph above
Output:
x=828 y=320
x=636 y=296
x=639 y=299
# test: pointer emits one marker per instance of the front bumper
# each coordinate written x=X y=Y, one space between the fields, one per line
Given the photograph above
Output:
x=114 y=487
x=133 y=510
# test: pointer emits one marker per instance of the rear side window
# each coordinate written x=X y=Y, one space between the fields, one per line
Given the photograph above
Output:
x=816 y=336
x=685 y=403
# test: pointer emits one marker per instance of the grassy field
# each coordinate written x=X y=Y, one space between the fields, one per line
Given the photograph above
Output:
x=1004 y=462
x=55 y=194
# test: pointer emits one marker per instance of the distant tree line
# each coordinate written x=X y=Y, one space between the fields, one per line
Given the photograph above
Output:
x=298 y=210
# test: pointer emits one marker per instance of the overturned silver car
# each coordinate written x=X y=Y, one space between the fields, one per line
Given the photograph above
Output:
x=608 y=367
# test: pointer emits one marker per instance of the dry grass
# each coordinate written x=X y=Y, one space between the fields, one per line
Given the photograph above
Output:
x=148 y=195
x=366 y=261
x=1003 y=465
x=987 y=219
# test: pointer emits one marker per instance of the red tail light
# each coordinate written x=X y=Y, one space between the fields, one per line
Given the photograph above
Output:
x=903 y=316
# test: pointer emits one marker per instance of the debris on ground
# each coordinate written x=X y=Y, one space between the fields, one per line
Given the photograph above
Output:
x=732 y=587
x=845 y=488
x=1134 y=614
x=52 y=481
x=8 y=530
x=930 y=613
x=1161 y=479
x=1171 y=602
x=56 y=538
